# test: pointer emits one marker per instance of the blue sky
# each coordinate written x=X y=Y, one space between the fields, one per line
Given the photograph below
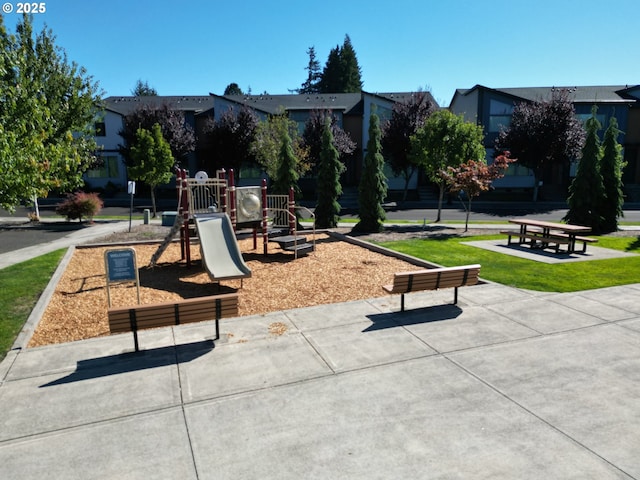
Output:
x=198 y=46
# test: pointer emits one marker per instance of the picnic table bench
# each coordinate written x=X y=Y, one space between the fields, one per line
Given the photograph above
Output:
x=138 y=317
x=433 y=279
x=542 y=234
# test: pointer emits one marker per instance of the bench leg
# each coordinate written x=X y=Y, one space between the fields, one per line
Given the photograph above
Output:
x=455 y=296
x=135 y=340
x=402 y=302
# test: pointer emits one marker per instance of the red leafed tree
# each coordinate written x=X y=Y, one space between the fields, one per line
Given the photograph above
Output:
x=472 y=178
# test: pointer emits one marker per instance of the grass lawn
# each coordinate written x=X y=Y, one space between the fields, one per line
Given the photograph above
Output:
x=22 y=284
x=528 y=274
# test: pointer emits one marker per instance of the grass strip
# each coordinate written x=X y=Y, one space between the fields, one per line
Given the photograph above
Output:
x=20 y=287
x=529 y=274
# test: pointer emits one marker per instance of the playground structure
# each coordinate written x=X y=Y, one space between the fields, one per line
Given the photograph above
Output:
x=244 y=207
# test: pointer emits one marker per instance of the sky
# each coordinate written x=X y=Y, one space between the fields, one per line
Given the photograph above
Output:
x=196 y=47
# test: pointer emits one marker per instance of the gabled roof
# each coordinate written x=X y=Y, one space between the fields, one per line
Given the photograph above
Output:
x=579 y=94
x=125 y=105
x=273 y=104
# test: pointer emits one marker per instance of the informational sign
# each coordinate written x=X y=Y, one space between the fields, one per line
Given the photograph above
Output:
x=121 y=266
x=131 y=187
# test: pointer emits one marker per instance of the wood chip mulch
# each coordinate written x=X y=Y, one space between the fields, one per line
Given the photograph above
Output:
x=336 y=272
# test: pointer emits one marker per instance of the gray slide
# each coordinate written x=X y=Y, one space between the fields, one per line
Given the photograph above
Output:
x=219 y=249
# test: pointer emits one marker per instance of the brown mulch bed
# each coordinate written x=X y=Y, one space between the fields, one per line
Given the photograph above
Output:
x=336 y=272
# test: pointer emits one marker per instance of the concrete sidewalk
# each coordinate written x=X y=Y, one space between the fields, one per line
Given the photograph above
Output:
x=507 y=384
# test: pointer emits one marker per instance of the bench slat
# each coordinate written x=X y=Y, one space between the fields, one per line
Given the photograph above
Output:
x=164 y=314
x=405 y=282
x=433 y=279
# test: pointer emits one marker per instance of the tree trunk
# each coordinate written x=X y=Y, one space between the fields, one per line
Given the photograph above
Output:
x=536 y=184
x=153 y=200
x=440 y=197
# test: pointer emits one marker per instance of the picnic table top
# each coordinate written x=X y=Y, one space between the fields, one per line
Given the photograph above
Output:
x=564 y=227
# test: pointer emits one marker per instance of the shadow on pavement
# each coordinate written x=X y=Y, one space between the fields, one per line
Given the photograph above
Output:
x=135 y=361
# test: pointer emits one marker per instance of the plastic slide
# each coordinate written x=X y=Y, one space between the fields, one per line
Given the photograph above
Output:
x=219 y=248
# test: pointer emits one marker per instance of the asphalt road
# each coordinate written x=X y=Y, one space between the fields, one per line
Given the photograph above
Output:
x=14 y=236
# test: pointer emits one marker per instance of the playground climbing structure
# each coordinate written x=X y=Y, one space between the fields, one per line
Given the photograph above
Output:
x=273 y=216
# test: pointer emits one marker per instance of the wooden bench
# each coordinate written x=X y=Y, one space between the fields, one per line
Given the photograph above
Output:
x=433 y=279
x=138 y=317
x=579 y=238
x=556 y=239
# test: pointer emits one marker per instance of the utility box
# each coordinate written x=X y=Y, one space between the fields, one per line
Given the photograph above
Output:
x=169 y=218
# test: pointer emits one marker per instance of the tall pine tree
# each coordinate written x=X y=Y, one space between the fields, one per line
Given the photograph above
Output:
x=611 y=169
x=314 y=74
x=373 y=183
x=587 y=191
x=341 y=73
x=329 y=188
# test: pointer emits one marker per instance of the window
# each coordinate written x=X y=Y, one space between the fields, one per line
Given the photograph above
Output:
x=109 y=168
x=583 y=117
x=499 y=115
x=100 y=128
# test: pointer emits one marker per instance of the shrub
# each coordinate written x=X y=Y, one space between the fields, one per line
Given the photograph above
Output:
x=79 y=205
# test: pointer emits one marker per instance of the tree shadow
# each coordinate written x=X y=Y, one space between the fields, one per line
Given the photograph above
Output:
x=635 y=245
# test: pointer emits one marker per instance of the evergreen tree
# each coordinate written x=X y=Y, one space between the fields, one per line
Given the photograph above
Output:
x=587 y=190
x=286 y=174
x=331 y=81
x=611 y=170
x=233 y=89
x=329 y=188
x=142 y=89
x=313 y=74
x=351 y=72
x=341 y=73
x=373 y=183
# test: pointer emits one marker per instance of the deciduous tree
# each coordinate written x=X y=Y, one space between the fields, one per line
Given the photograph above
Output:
x=48 y=107
x=406 y=118
x=543 y=134
x=473 y=177
x=175 y=131
x=313 y=134
x=446 y=140
x=267 y=144
x=151 y=160
x=231 y=138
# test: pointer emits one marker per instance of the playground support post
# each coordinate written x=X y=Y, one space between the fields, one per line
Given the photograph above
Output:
x=233 y=214
x=222 y=175
x=292 y=212
x=185 y=243
x=265 y=213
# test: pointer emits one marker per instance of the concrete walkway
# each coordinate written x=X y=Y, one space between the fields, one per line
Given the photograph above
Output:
x=507 y=384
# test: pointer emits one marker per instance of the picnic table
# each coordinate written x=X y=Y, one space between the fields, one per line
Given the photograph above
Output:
x=542 y=234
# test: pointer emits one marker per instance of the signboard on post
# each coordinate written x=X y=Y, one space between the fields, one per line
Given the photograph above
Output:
x=121 y=266
x=131 y=190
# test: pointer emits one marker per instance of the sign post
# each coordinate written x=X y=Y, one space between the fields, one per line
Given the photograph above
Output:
x=131 y=190
x=120 y=266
